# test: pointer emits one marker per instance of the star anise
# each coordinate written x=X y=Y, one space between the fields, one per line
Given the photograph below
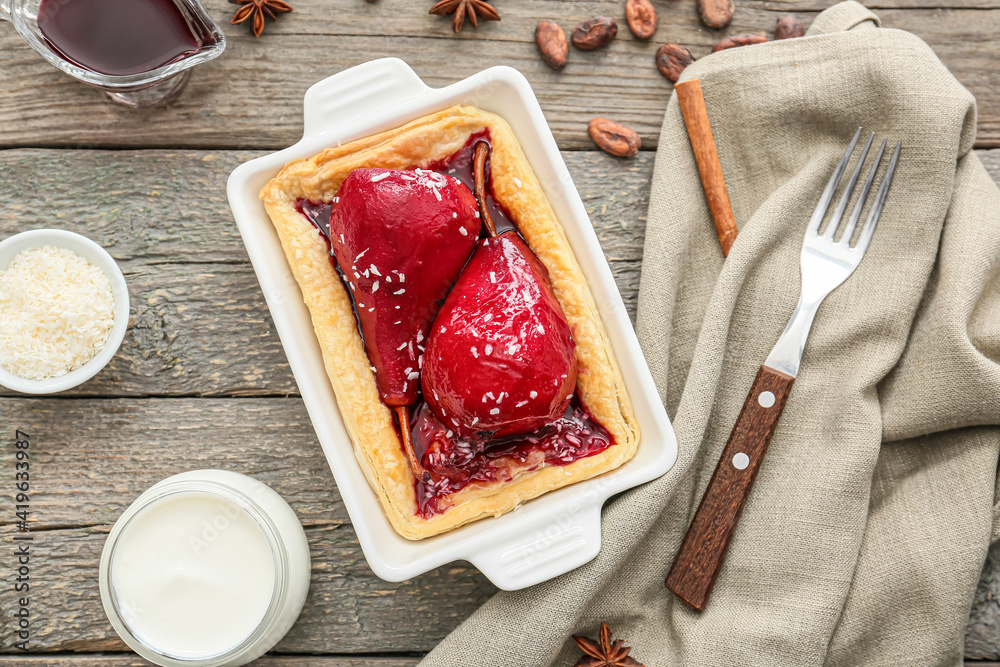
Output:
x=257 y=9
x=607 y=653
x=463 y=8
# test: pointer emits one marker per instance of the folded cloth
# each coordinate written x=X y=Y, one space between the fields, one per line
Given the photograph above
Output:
x=864 y=536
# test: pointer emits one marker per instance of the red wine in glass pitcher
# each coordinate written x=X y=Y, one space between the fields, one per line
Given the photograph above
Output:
x=138 y=51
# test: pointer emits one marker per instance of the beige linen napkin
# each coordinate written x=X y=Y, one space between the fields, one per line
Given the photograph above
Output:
x=863 y=539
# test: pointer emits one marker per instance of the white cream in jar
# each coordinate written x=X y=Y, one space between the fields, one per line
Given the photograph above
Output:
x=207 y=568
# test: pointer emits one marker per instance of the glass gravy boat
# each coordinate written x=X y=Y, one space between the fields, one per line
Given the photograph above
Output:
x=156 y=86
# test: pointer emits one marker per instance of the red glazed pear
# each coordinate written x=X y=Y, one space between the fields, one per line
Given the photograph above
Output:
x=501 y=358
x=401 y=239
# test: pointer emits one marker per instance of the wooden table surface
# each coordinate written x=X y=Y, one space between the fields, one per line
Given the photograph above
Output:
x=201 y=379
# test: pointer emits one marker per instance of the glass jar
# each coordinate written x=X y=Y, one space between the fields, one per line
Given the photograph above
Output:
x=208 y=568
x=156 y=86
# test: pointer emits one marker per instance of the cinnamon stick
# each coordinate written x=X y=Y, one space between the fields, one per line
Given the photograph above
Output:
x=403 y=414
x=705 y=154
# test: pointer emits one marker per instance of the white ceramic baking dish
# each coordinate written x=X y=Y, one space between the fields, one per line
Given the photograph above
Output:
x=551 y=534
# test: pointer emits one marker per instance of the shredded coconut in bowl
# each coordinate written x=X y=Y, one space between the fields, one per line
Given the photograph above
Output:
x=56 y=312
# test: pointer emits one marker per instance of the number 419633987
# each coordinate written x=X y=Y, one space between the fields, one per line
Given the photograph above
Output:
x=21 y=479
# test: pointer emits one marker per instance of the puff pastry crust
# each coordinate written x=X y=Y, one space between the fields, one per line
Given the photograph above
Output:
x=369 y=422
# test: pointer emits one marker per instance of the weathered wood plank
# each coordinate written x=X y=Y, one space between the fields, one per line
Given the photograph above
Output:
x=199 y=329
x=164 y=217
x=92 y=457
x=982 y=634
x=157 y=207
x=251 y=96
x=131 y=660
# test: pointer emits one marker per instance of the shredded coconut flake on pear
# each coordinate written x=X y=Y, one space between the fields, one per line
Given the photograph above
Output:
x=56 y=312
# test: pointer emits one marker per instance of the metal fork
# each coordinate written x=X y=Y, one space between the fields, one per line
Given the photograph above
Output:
x=826 y=264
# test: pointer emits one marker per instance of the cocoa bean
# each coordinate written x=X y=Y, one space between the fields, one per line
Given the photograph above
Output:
x=641 y=16
x=614 y=137
x=738 y=40
x=789 y=26
x=671 y=59
x=552 y=43
x=594 y=33
x=716 y=13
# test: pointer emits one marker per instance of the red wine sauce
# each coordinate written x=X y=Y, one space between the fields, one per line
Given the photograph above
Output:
x=119 y=37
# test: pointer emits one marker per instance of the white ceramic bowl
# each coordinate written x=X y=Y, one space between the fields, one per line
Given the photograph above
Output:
x=100 y=258
x=551 y=534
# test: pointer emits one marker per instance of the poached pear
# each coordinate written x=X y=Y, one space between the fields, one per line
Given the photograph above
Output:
x=401 y=239
x=500 y=359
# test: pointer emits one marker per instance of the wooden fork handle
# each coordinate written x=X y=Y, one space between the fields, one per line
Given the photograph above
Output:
x=699 y=560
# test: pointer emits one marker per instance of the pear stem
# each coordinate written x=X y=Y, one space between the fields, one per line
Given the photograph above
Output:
x=403 y=413
x=479 y=174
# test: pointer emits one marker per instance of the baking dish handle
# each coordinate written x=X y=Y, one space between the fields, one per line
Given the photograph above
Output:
x=549 y=545
x=358 y=93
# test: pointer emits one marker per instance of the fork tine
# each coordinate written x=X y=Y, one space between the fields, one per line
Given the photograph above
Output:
x=865 y=189
x=831 y=187
x=883 y=190
x=845 y=197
